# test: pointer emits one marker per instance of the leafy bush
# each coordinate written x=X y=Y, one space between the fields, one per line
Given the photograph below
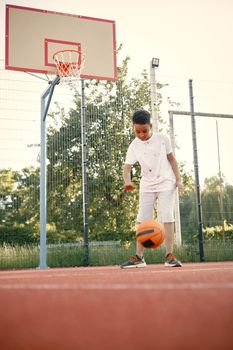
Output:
x=18 y=234
x=217 y=233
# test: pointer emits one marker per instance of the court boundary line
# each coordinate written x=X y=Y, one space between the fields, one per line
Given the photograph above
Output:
x=118 y=286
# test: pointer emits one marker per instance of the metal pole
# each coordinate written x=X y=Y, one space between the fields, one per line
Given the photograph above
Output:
x=84 y=174
x=200 y=114
x=221 y=197
x=196 y=172
x=219 y=164
x=177 y=205
x=153 y=94
x=43 y=211
x=43 y=174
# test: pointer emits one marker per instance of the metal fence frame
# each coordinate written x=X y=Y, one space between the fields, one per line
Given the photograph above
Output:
x=191 y=114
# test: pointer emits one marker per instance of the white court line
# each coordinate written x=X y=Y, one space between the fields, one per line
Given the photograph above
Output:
x=180 y=269
x=79 y=273
x=118 y=286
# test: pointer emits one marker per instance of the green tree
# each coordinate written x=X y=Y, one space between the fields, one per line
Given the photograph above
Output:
x=187 y=200
x=19 y=206
x=111 y=210
x=109 y=106
x=216 y=201
x=7 y=185
x=214 y=215
x=228 y=203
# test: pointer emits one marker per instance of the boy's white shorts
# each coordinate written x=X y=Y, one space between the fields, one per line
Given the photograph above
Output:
x=162 y=201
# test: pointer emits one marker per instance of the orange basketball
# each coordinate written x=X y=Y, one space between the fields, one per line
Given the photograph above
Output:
x=150 y=234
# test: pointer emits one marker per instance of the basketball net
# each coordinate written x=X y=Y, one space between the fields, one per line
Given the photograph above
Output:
x=69 y=65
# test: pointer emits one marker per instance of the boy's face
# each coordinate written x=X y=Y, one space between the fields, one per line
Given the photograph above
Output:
x=143 y=131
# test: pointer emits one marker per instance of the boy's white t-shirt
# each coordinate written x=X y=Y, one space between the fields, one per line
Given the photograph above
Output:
x=156 y=171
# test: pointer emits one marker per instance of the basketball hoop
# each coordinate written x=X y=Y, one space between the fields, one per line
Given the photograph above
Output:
x=69 y=64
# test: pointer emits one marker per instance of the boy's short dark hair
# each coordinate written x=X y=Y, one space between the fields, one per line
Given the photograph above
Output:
x=141 y=117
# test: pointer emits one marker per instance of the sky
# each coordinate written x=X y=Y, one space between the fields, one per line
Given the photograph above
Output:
x=193 y=40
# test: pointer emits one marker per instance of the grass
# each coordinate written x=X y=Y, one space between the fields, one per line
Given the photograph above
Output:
x=102 y=254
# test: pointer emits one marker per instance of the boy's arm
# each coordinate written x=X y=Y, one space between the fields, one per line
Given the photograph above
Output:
x=127 y=175
x=175 y=168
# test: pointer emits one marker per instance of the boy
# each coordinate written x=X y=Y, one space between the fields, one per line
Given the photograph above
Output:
x=159 y=178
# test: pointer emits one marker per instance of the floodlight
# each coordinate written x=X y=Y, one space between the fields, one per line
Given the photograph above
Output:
x=155 y=62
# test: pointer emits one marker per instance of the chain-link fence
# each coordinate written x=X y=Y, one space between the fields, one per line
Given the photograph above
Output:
x=111 y=211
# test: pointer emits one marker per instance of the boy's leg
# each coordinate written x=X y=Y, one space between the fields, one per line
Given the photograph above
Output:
x=139 y=249
x=146 y=210
x=169 y=236
x=165 y=216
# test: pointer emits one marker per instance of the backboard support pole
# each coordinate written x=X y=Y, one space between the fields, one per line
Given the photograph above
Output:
x=48 y=93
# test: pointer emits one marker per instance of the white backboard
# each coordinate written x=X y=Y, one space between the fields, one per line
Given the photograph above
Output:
x=34 y=35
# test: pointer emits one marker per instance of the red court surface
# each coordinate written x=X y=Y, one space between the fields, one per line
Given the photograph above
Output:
x=107 y=308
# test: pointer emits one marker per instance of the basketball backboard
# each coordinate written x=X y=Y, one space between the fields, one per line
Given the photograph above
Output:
x=34 y=35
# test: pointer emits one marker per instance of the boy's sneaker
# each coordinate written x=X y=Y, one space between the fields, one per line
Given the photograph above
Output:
x=172 y=261
x=134 y=261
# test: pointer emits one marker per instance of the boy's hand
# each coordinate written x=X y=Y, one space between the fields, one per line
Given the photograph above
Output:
x=180 y=186
x=129 y=187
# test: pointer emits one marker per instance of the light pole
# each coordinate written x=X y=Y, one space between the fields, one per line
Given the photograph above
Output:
x=154 y=64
